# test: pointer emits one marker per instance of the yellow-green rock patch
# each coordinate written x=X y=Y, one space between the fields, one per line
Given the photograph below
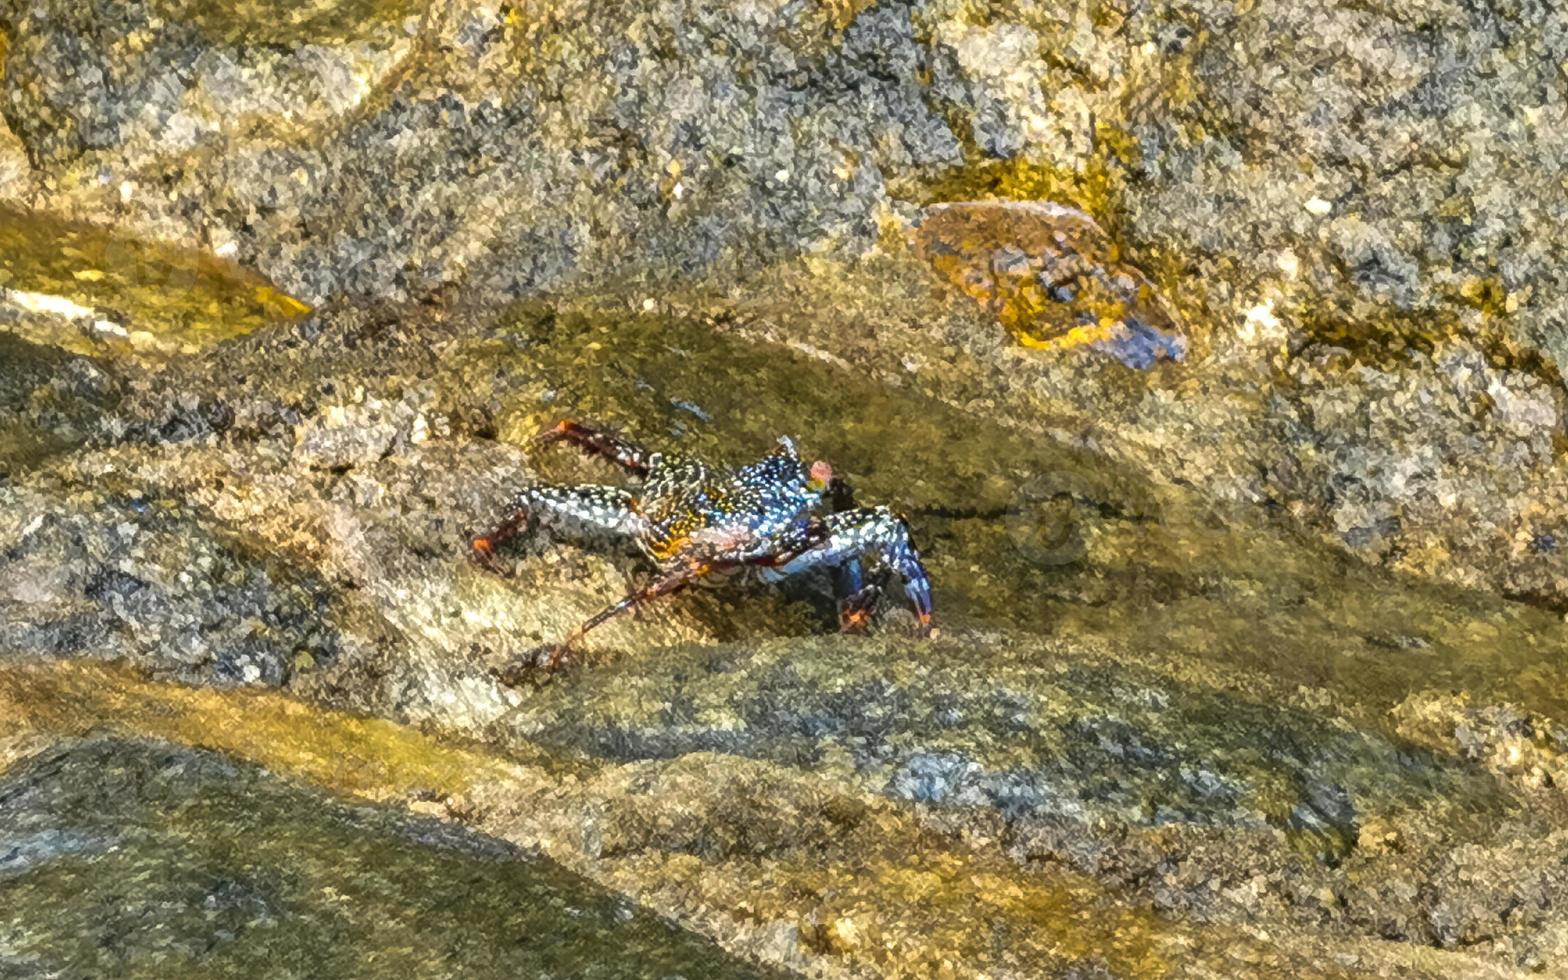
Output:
x=90 y=289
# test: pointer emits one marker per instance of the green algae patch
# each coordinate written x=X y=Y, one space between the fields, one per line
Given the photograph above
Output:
x=136 y=858
x=88 y=289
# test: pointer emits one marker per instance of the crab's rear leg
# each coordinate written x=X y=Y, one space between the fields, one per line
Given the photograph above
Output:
x=551 y=655
x=841 y=539
x=586 y=509
x=596 y=442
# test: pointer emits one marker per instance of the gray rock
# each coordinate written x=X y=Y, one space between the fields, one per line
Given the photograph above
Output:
x=1150 y=678
x=120 y=574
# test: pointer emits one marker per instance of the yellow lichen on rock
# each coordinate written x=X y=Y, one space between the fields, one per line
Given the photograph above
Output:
x=288 y=21
x=1050 y=275
x=366 y=757
x=91 y=289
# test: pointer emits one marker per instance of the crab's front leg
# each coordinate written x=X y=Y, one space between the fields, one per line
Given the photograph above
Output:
x=839 y=540
x=857 y=596
x=589 y=509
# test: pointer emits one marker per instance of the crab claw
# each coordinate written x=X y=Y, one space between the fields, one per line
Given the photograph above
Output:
x=918 y=588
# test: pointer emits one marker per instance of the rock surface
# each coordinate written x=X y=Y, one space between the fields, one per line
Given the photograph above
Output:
x=1361 y=232
x=781 y=866
x=1250 y=664
x=1227 y=723
x=137 y=858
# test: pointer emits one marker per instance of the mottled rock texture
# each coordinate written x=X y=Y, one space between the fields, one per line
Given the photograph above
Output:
x=1226 y=724
x=132 y=857
x=1251 y=663
x=1322 y=190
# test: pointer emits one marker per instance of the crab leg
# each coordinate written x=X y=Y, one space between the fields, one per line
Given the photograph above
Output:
x=596 y=442
x=590 y=508
x=856 y=596
x=551 y=655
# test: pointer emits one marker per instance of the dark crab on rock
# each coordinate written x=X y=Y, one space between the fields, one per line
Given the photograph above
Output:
x=694 y=520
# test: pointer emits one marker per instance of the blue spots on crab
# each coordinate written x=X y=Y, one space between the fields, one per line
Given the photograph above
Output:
x=873 y=532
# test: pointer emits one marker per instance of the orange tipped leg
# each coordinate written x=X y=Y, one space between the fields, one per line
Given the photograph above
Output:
x=482 y=548
x=550 y=656
x=595 y=442
x=854 y=612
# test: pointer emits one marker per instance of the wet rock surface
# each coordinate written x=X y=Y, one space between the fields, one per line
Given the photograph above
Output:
x=94 y=291
x=1226 y=724
x=1248 y=664
x=779 y=865
x=140 y=858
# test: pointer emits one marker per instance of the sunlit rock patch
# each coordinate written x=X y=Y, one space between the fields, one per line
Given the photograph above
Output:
x=89 y=289
x=136 y=575
x=13 y=155
x=1051 y=276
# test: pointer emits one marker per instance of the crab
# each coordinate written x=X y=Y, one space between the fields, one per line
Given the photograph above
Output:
x=694 y=520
